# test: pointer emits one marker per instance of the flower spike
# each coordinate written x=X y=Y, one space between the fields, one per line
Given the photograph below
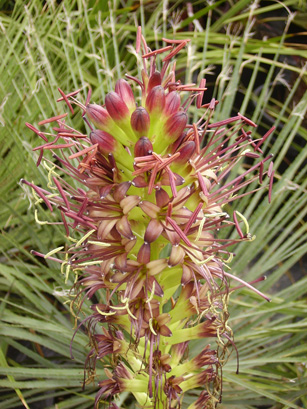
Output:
x=142 y=221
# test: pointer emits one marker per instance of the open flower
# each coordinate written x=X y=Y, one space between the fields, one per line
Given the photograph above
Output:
x=143 y=226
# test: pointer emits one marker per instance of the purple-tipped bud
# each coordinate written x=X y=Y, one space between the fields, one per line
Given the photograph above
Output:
x=162 y=198
x=116 y=107
x=175 y=125
x=153 y=230
x=186 y=151
x=154 y=80
x=143 y=147
x=123 y=89
x=140 y=121
x=172 y=103
x=155 y=100
x=98 y=116
x=177 y=352
x=106 y=142
x=144 y=254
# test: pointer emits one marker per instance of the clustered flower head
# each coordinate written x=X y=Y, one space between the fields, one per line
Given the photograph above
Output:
x=143 y=215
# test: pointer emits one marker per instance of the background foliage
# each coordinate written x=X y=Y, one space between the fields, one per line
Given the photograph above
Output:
x=253 y=55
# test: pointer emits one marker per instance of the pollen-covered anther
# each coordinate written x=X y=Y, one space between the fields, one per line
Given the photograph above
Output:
x=140 y=122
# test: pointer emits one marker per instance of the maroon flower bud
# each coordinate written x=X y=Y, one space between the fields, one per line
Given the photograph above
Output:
x=123 y=89
x=186 y=152
x=106 y=142
x=139 y=181
x=144 y=254
x=162 y=198
x=155 y=100
x=172 y=103
x=154 y=80
x=140 y=121
x=175 y=125
x=98 y=116
x=143 y=147
x=153 y=230
x=173 y=148
x=116 y=107
x=165 y=179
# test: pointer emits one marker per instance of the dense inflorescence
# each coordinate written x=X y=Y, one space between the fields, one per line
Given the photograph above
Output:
x=143 y=219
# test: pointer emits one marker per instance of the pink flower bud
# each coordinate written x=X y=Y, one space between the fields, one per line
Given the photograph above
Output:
x=106 y=142
x=98 y=116
x=172 y=103
x=143 y=147
x=155 y=100
x=186 y=152
x=123 y=89
x=175 y=125
x=140 y=121
x=116 y=107
x=154 y=80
